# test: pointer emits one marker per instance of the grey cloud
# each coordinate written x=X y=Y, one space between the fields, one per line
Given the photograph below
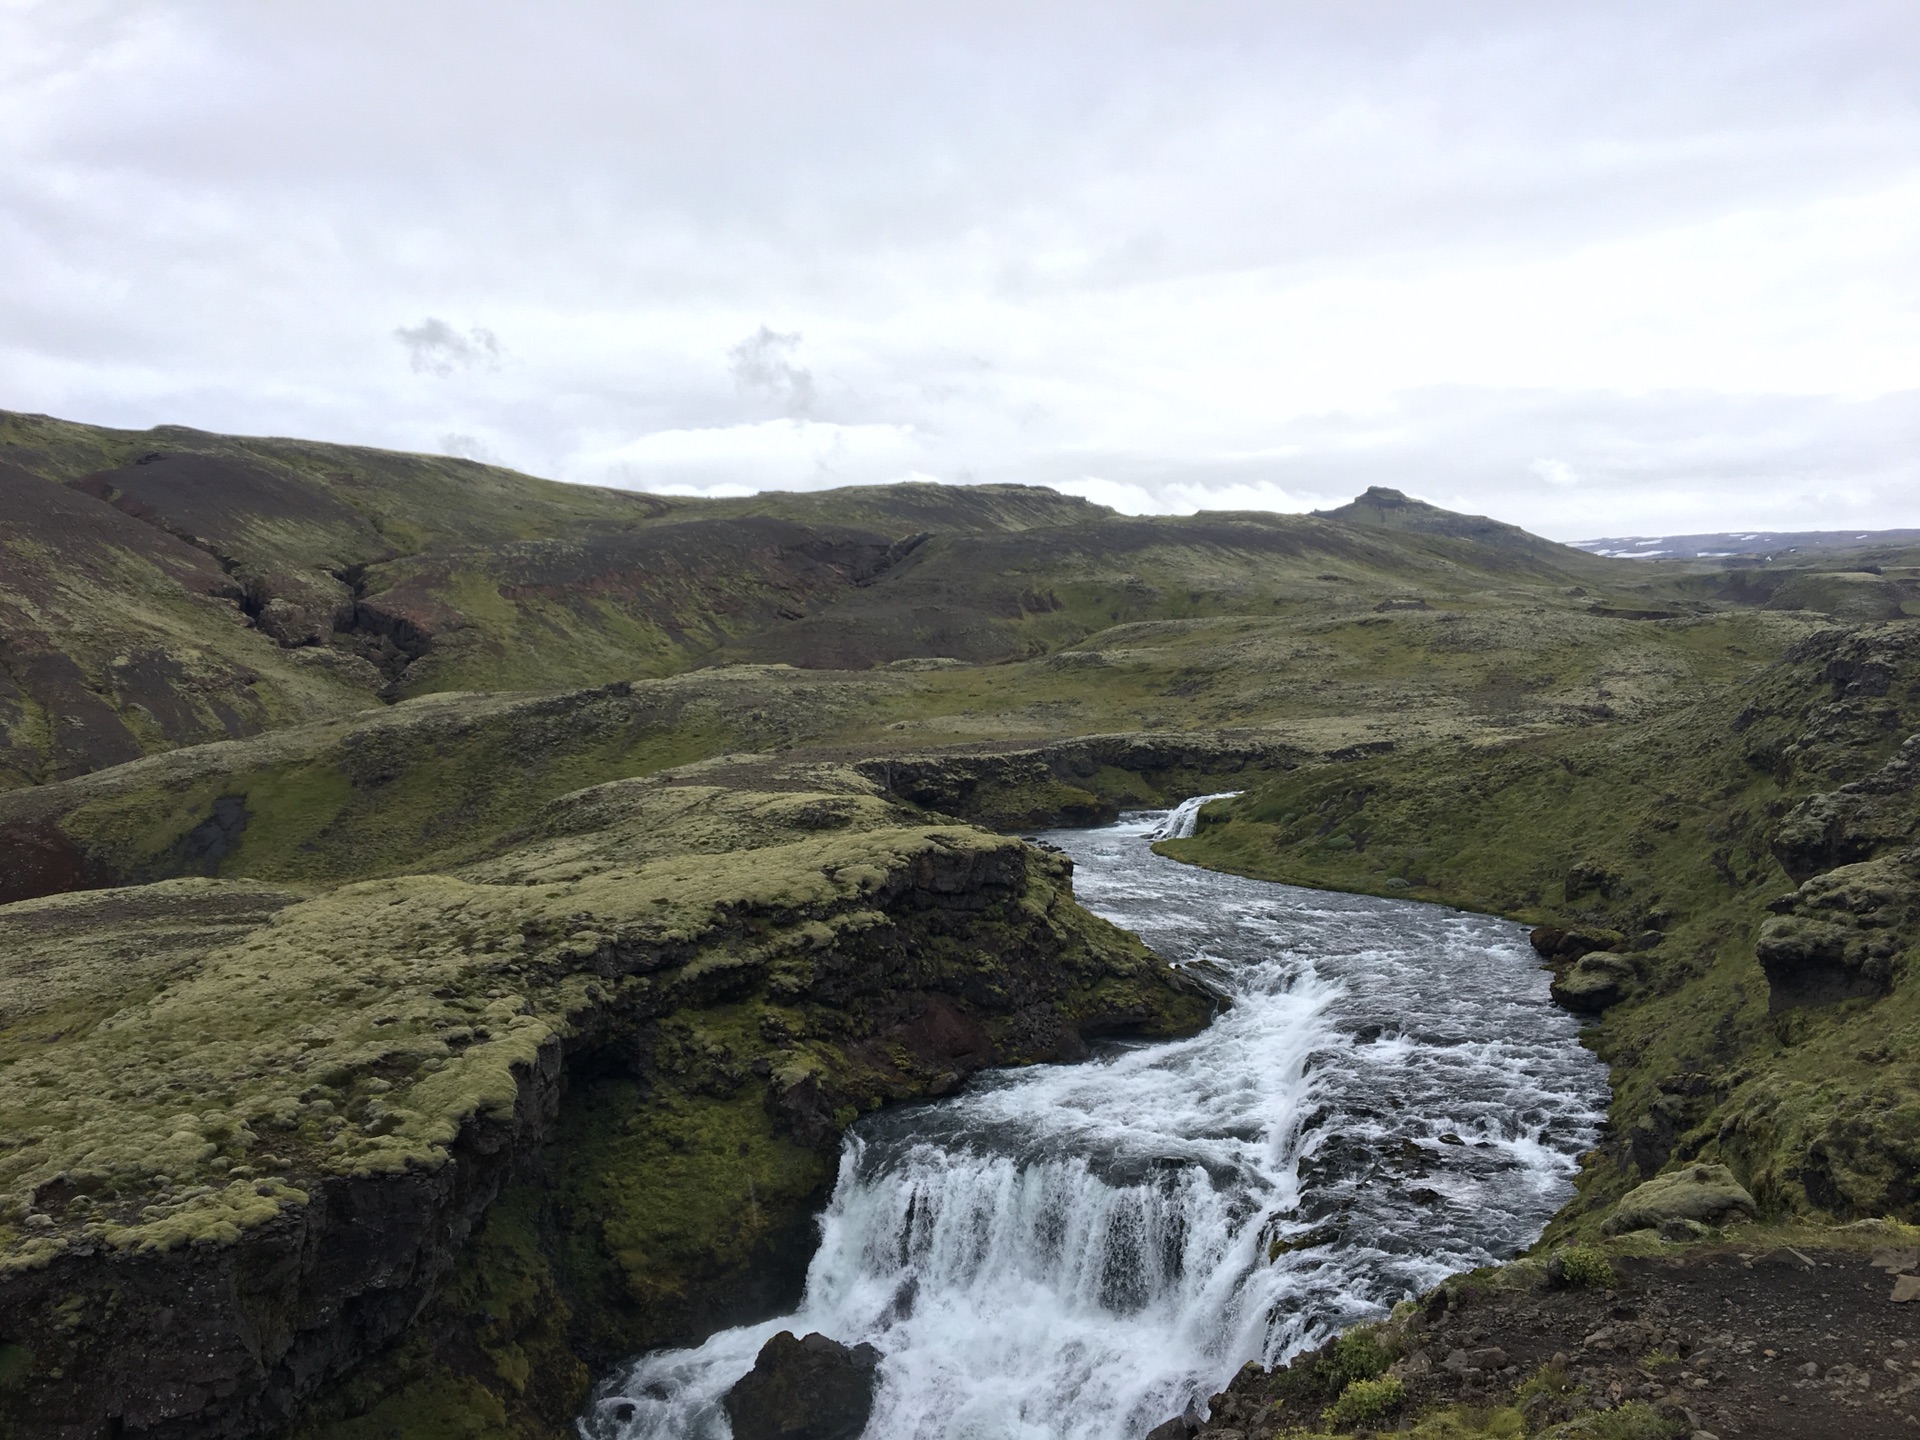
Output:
x=763 y=364
x=435 y=348
x=468 y=447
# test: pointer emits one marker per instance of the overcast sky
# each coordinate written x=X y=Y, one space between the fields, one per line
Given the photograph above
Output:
x=1596 y=268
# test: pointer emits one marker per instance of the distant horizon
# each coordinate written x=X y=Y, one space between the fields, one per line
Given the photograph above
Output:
x=1589 y=542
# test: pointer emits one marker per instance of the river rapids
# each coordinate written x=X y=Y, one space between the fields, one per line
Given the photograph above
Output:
x=1077 y=1252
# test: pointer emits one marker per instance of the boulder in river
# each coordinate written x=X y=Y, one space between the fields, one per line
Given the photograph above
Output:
x=811 y=1389
x=1707 y=1193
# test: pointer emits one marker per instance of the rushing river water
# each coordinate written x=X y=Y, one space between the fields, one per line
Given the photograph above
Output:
x=1081 y=1250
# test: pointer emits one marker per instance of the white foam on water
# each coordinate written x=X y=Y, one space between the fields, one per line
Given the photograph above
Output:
x=1076 y=1252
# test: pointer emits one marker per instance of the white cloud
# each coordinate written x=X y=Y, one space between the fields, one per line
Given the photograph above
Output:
x=435 y=348
x=745 y=459
x=1555 y=472
x=763 y=363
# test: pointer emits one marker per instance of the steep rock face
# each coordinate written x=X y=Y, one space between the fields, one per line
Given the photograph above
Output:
x=263 y=1165
x=1838 y=827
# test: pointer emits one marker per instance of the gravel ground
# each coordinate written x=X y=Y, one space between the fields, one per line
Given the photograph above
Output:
x=1787 y=1341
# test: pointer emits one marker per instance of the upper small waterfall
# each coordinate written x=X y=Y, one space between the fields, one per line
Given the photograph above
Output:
x=1180 y=822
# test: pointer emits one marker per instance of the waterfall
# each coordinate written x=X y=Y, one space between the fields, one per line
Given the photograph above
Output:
x=1077 y=1252
x=1181 y=821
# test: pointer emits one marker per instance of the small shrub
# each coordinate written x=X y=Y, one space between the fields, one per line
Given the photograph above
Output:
x=1356 y=1356
x=1583 y=1267
x=1366 y=1400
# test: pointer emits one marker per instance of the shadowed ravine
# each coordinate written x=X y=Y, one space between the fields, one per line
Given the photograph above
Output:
x=1082 y=1250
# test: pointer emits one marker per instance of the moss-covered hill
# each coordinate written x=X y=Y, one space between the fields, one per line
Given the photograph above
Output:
x=447 y=917
x=1731 y=889
x=169 y=587
x=576 y=1097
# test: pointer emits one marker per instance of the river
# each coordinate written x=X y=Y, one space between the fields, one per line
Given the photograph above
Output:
x=1075 y=1252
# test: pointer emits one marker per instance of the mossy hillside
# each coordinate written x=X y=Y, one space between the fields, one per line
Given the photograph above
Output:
x=558 y=613
x=74 y=960
x=442 y=776
x=1663 y=840
x=323 y=1028
x=732 y=977
x=433 y=780
x=1005 y=596
x=123 y=639
x=1334 y=679
x=415 y=501
x=221 y=585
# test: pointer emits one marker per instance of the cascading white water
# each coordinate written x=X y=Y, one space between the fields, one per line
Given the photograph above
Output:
x=1079 y=1251
x=1180 y=822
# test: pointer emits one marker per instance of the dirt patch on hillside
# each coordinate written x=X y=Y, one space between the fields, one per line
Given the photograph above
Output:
x=1786 y=1341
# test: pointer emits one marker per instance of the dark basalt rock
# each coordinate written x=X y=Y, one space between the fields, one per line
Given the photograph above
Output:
x=1554 y=943
x=811 y=1389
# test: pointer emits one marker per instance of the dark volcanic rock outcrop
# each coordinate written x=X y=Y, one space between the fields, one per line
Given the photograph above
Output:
x=811 y=1389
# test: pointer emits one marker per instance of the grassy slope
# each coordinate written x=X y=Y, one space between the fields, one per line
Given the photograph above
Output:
x=1483 y=721
x=189 y=587
x=1666 y=831
x=448 y=776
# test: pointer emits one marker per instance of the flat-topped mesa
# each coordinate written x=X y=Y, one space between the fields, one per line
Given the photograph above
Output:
x=240 y=1157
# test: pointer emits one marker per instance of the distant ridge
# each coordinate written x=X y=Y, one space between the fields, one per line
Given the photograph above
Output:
x=1734 y=544
x=1386 y=509
x=1382 y=508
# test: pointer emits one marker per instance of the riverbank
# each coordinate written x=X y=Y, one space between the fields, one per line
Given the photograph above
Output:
x=1728 y=896
x=1729 y=899
x=1765 y=1333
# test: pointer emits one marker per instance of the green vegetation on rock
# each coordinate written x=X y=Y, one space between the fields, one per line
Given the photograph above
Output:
x=714 y=979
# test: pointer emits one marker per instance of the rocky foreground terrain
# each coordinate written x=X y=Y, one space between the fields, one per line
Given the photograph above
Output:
x=447 y=918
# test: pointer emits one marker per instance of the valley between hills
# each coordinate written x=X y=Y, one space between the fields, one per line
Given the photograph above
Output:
x=448 y=919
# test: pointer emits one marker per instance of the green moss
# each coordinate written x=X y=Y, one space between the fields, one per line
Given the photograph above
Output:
x=1586 y=1268
x=1634 y=1420
x=1465 y=1422
x=679 y=1192
x=1364 y=1401
x=1356 y=1355
x=440 y=1405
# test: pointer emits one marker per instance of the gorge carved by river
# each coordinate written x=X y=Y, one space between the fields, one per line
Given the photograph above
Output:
x=1077 y=1252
